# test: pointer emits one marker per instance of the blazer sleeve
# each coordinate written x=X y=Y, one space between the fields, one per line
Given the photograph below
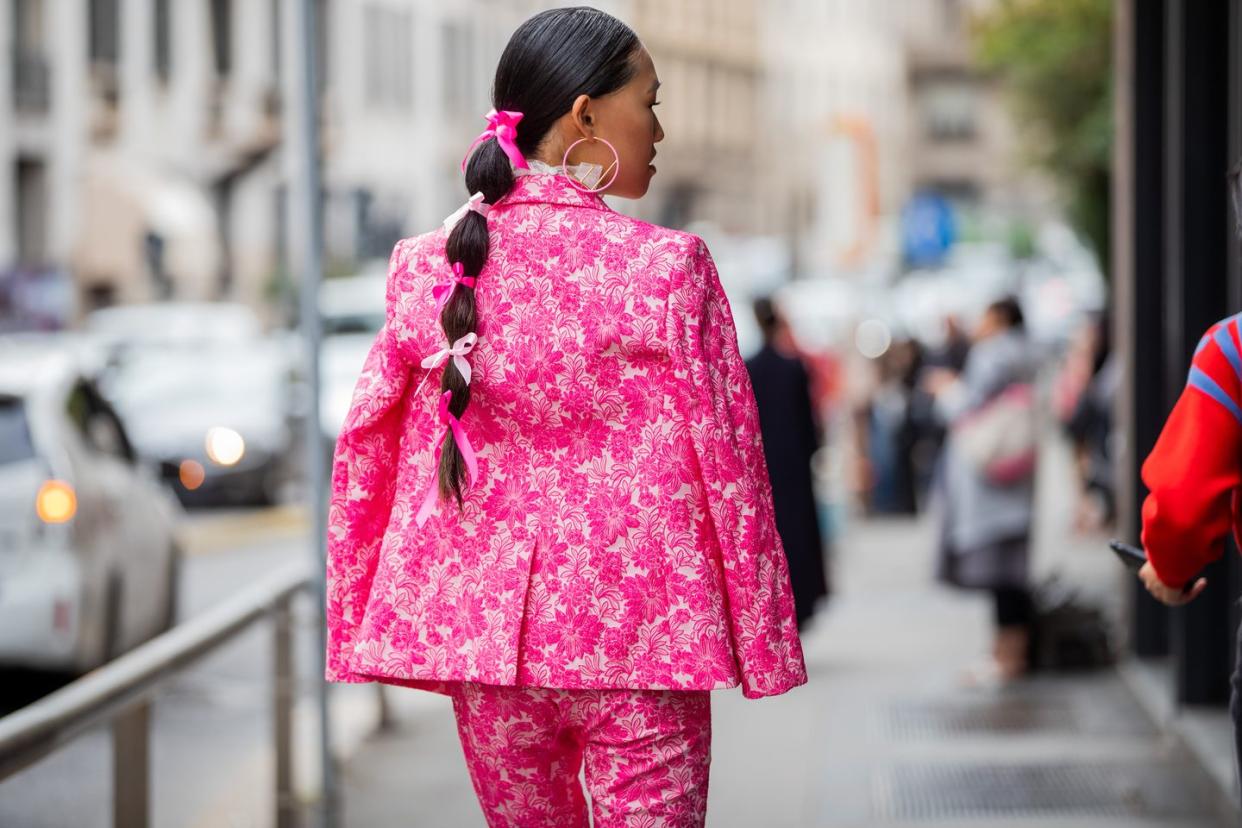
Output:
x=1193 y=471
x=723 y=422
x=363 y=480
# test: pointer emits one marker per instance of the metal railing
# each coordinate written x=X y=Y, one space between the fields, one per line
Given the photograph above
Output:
x=120 y=693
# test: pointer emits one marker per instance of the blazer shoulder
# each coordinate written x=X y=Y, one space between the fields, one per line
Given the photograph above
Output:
x=686 y=245
x=423 y=246
x=413 y=257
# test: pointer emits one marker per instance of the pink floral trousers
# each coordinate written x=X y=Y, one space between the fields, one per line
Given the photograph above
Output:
x=646 y=755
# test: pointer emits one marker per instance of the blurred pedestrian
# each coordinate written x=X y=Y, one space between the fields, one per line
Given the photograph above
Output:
x=573 y=535
x=790 y=437
x=988 y=481
x=894 y=430
x=1194 y=474
x=951 y=353
x=1088 y=421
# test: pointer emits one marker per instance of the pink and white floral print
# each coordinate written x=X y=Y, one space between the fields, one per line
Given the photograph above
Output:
x=647 y=755
x=620 y=533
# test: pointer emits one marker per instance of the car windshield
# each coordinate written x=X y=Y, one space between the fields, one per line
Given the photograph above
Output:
x=15 y=443
x=175 y=375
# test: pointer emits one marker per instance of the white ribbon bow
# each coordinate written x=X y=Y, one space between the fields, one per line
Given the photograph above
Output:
x=474 y=204
x=458 y=352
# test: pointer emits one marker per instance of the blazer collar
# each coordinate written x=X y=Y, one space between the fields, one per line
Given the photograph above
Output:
x=543 y=188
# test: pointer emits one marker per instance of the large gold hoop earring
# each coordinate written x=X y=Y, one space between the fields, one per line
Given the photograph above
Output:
x=615 y=167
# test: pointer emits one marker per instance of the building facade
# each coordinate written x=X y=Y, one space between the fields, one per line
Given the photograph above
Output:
x=148 y=159
x=833 y=168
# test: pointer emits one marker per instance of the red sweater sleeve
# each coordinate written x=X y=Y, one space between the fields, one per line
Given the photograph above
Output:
x=1197 y=463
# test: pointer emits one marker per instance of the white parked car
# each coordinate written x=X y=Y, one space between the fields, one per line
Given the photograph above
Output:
x=217 y=419
x=88 y=557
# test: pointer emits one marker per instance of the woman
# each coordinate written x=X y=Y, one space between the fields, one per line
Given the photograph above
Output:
x=989 y=482
x=549 y=499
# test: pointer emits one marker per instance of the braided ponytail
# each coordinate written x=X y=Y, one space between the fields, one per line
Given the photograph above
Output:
x=488 y=172
x=550 y=60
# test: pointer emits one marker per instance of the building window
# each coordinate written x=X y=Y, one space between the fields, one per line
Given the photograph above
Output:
x=949 y=109
x=277 y=32
x=951 y=16
x=222 y=36
x=322 y=65
x=31 y=212
x=163 y=39
x=31 y=69
x=389 y=74
x=28 y=24
x=104 y=33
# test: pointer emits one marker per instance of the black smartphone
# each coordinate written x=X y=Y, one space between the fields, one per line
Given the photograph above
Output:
x=1131 y=556
x=1134 y=558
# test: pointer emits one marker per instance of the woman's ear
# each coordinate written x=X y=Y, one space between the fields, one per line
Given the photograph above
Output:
x=583 y=116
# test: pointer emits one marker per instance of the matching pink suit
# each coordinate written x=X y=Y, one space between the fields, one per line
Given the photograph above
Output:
x=619 y=535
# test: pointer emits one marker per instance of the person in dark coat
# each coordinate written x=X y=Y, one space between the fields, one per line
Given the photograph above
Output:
x=790 y=437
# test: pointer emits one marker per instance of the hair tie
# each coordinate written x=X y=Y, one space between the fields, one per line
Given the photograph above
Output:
x=503 y=127
x=474 y=205
x=443 y=291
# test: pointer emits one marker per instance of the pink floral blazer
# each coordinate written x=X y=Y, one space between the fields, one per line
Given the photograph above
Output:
x=620 y=532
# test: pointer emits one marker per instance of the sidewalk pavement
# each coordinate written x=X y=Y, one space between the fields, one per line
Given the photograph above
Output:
x=884 y=733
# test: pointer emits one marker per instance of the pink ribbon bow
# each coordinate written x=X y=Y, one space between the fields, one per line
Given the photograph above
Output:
x=458 y=351
x=502 y=125
x=463 y=444
x=443 y=292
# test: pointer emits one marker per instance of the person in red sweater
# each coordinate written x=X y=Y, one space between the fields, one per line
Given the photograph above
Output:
x=1194 y=473
x=1195 y=470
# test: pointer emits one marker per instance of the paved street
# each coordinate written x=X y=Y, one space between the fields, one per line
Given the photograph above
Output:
x=883 y=734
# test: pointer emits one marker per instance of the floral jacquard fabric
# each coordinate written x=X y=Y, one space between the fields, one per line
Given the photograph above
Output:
x=646 y=755
x=620 y=533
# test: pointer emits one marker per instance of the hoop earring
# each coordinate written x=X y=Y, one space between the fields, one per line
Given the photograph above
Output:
x=615 y=166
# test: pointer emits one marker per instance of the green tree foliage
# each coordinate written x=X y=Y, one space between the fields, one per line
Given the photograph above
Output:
x=1054 y=58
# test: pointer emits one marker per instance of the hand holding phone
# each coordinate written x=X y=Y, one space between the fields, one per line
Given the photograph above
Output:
x=1131 y=556
x=1135 y=560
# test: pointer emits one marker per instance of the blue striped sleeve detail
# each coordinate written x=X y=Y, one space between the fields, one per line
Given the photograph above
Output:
x=1203 y=341
x=1224 y=340
x=1208 y=386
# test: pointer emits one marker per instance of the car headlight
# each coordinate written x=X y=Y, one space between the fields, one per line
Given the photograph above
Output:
x=56 y=502
x=225 y=446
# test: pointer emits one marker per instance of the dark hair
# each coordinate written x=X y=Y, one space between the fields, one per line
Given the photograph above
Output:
x=1010 y=312
x=549 y=61
x=766 y=316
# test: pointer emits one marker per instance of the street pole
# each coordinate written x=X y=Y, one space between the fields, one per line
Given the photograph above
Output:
x=310 y=212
